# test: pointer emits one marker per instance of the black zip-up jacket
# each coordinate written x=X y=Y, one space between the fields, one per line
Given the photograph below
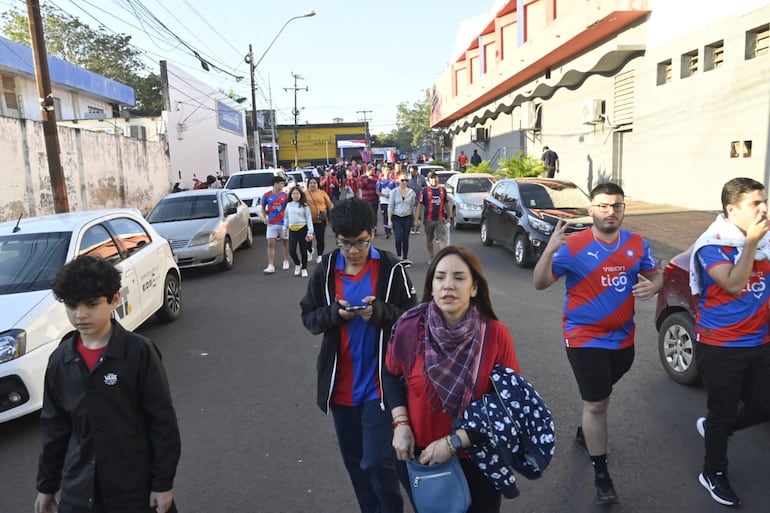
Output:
x=116 y=424
x=320 y=314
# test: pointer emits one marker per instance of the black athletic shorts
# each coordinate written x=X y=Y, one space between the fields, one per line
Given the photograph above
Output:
x=596 y=370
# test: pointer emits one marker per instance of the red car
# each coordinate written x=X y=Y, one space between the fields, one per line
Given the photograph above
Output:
x=675 y=321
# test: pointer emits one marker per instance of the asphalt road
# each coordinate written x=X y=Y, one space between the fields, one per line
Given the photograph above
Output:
x=242 y=372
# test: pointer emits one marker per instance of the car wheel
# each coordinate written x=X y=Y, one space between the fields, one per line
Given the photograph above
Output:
x=227 y=256
x=172 y=299
x=676 y=346
x=485 y=238
x=249 y=238
x=455 y=224
x=521 y=251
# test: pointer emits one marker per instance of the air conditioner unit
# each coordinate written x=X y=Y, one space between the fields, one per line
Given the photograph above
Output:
x=530 y=115
x=479 y=134
x=593 y=112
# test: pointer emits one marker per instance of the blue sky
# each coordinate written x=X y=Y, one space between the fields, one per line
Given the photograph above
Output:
x=353 y=55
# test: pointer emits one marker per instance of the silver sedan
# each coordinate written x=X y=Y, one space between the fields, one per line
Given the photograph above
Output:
x=203 y=227
x=465 y=194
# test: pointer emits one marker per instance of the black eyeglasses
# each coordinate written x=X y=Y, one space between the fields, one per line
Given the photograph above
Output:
x=605 y=207
x=359 y=244
x=404 y=180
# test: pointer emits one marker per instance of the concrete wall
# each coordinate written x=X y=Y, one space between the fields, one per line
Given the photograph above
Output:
x=101 y=170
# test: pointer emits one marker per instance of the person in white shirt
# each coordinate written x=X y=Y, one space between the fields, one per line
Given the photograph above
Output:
x=298 y=219
x=401 y=208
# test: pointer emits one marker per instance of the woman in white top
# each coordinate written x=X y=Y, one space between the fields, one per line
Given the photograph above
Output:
x=298 y=219
x=401 y=208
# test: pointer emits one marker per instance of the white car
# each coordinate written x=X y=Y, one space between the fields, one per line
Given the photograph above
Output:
x=251 y=185
x=33 y=322
x=465 y=194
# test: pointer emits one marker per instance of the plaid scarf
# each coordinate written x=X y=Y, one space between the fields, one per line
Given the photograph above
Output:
x=451 y=357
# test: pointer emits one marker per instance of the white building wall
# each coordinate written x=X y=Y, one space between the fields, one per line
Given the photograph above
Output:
x=193 y=132
x=100 y=170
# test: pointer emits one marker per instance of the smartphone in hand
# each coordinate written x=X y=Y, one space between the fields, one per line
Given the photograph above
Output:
x=352 y=308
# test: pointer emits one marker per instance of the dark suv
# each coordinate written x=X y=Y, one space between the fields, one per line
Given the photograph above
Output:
x=521 y=213
x=675 y=321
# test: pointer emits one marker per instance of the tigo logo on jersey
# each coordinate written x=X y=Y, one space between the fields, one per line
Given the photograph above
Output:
x=110 y=378
x=618 y=281
x=756 y=284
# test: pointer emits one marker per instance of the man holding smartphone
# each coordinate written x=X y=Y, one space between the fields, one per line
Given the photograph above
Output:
x=354 y=297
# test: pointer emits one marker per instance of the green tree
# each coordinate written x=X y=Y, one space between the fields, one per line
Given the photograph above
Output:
x=107 y=54
x=415 y=120
x=521 y=165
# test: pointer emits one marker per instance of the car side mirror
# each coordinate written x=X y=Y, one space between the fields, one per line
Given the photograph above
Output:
x=513 y=206
x=231 y=210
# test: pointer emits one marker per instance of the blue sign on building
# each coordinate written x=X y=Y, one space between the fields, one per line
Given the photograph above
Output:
x=229 y=119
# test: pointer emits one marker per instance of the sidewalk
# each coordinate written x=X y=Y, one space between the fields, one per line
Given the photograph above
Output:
x=669 y=229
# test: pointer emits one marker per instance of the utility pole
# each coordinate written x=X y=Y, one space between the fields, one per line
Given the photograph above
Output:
x=366 y=133
x=295 y=111
x=257 y=144
x=44 y=91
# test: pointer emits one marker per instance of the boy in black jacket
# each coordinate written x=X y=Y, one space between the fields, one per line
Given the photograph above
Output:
x=109 y=431
x=354 y=297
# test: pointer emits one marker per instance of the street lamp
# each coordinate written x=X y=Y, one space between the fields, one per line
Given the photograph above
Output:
x=252 y=67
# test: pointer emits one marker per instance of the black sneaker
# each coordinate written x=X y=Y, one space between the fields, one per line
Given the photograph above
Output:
x=580 y=439
x=605 y=491
x=719 y=487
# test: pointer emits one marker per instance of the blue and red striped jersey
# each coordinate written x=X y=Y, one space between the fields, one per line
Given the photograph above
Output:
x=729 y=320
x=599 y=304
x=356 y=381
x=275 y=204
x=433 y=199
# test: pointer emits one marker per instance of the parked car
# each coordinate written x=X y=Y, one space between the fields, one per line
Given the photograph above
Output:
x=203 y=227
x=251 y=185
x=443 y=176
x=425 y=169
x=33 y=322
x=300 y=177
x=466 y=193
x=675 y=321
x=521 y=213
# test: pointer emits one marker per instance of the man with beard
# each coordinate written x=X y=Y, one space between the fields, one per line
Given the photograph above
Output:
x=606 y=268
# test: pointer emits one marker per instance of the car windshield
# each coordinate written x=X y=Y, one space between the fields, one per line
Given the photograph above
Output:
x=535 y=195
x=184 y=209
x=468 y=185
x=250 y=180
x=30 y=262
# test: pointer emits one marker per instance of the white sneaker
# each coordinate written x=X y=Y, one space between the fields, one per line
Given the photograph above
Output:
x=700 y=425
x=318 y=259
x=270 y=269
x=297 y=269
x=304 y=273
x=310 y=254
x=285 y=265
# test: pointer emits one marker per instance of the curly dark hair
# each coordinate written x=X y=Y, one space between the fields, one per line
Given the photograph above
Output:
x=86 y=278
x=352 y=216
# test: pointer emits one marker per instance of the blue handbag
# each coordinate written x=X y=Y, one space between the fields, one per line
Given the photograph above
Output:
x=439 y=488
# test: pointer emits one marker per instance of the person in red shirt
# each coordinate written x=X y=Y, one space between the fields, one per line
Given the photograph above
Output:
x=439 y=360
x=462 y=160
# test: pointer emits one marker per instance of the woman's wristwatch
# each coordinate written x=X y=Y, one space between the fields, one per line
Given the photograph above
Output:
x=457 y=444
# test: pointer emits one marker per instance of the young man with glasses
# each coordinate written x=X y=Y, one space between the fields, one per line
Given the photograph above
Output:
x=606 y=269
x=354 y=297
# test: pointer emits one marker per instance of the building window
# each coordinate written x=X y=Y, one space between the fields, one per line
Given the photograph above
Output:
x=689 y=64
x=664 y=72
x=8 y=90
x=138 y=132
x=713 y=56
x=757 y=41
x=740 y=149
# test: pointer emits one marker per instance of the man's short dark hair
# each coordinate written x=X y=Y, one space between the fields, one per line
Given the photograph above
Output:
x=735 y=188
x=607 y=188
x=278 y=178
x=432 y=174
x=86 y=278
x=413 y=168
x=352 y=216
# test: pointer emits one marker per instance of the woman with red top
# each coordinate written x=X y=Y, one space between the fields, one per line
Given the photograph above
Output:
x=439 y=360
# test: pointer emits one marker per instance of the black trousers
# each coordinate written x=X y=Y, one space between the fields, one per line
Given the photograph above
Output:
x=298 y=239
x=737 y=382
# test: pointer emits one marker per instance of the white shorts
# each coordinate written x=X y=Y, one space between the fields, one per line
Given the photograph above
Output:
x=276 y=231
